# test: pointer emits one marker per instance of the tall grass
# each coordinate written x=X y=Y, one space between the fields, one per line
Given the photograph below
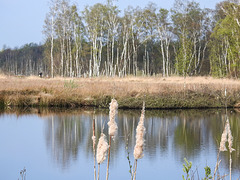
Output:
x=173 y=92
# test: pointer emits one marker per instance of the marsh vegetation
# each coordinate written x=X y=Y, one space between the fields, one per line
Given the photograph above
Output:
x=157 y=92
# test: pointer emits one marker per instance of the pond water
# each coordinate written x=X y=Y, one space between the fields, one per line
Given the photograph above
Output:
x=56 y=144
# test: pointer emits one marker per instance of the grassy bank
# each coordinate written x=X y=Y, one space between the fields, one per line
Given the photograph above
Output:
x=158 y=92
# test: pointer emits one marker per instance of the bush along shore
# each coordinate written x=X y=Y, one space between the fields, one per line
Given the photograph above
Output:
x=158 y=93
x=153 y=101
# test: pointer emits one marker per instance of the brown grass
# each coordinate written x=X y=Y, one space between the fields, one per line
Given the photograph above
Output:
x=127 y=91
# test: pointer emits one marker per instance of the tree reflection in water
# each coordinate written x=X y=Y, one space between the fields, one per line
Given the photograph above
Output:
x=183 y=133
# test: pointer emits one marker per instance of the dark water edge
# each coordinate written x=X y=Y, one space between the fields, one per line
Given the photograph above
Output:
x=184 y=100
x=23 y=110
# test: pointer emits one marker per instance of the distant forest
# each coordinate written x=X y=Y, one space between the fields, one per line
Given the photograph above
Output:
x=103 y=41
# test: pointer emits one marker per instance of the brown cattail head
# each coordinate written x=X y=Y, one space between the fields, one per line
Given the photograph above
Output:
x=102 y=149
x=140 y=132
x=112 y=130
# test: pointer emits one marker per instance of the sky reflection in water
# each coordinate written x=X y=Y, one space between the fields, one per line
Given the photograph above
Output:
x=57 y=145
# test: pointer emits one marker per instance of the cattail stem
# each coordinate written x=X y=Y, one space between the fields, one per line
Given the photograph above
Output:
x=94 y=151
x=108 y=157
x=132 y=172
x=98 y=170
x=230 y=166
x=135 y=169
x=217 y=165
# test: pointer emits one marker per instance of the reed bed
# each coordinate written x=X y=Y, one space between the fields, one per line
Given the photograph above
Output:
x=158 y=93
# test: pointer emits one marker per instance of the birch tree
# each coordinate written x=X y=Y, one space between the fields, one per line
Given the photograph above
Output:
x=49 y=30
x=124 y=46
x=78 y=33
x=148 y=35
x=191 y=27
x=112 y=25
x=61 y=31
x=225 y=49
x=95 y=26
x=165 y=36
x=183 y=54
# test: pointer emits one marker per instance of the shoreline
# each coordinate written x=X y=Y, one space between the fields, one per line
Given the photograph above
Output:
x=157 y=92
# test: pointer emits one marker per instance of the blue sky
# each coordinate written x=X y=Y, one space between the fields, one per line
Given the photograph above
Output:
x=22 y=20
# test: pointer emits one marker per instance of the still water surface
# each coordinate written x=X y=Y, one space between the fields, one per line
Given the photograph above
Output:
x=58 y=145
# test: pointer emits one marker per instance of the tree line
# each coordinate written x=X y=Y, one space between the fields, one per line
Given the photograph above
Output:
x=101 y=40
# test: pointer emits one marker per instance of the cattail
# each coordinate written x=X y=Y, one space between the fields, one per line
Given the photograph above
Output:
x=230 y=137
x=223 y=139
x=230 y=143
x=140 y=132
x=112 y=125
x=138 y=149
x=102 y=149
x=226 y=136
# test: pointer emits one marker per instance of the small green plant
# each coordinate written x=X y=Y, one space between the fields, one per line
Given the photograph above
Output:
x=128 y=158
x=70 y=84
x=207 y=173
x=186 y=169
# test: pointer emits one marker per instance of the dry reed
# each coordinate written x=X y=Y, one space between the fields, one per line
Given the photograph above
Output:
x=112 y=127
x=161 y=92
x=230 y=137
x=230 y=143
x=101 y=151
x=140 y=132
x=226 y=137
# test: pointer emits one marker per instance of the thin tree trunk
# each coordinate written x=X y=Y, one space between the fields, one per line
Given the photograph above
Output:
x=52 y=47
x=77 y=51
x=70 y=58
x=163 y=56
